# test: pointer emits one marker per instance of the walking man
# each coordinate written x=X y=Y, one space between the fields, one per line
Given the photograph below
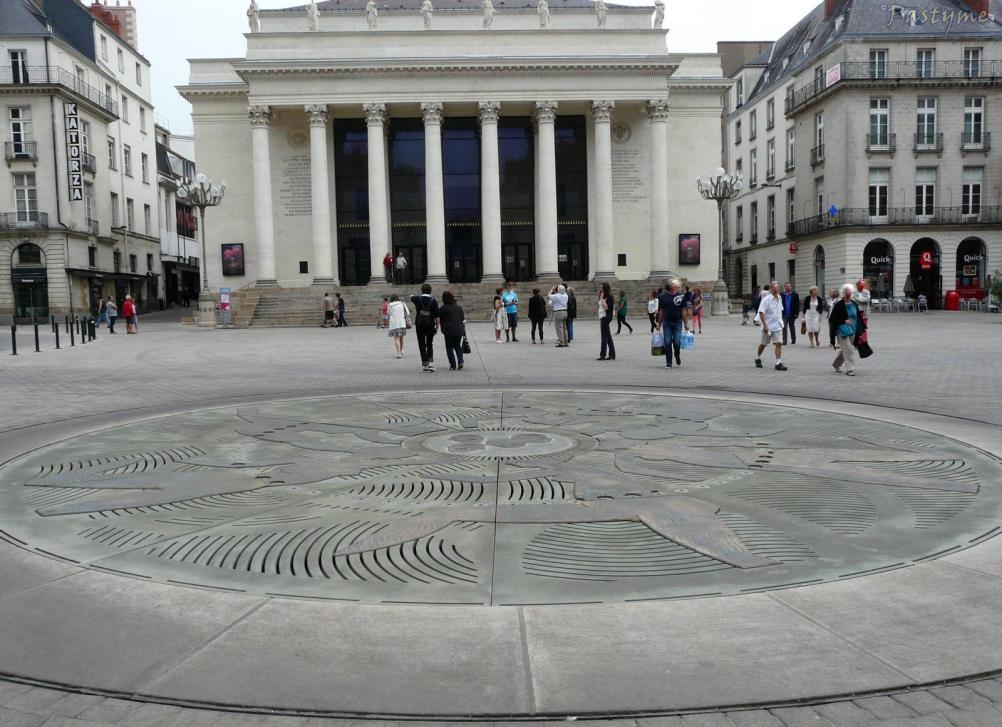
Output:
x=770 y=317
x=426 y=326
x=861 y=297
x=341 y=322
x=673 y=314
x=328 y=310
x=791 y=312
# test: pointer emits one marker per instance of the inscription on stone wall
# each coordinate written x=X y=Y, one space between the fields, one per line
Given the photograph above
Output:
x=629 y=184
x=296 y=191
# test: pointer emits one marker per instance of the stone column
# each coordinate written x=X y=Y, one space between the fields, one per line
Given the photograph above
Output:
x=379 y=238
x=546 y=114
x=490 y=192
x=602 y=115
x=657 y=112
x=434 y=193
x=264 y=219
x=323 y=248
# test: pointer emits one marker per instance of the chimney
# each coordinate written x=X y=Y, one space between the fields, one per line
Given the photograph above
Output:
x=831 y=5
x=978 y=6
x=124 y=16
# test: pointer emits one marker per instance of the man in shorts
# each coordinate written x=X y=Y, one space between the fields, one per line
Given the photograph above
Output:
x=328 y=310
x=770 y=316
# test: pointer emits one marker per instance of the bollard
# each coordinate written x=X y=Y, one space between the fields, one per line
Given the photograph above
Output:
x=67 y=324
x=13 y=339
x=56 y=331
x=37 y=348
x=92 y=328
x=73 y=341
x=82 y=332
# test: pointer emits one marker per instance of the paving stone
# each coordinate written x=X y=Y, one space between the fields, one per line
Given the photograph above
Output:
x=800 y=717
x=73 y=705
x=753 y=718
x=110 y=710
x=990 y=689
x=672 y=721
x=706 y=720
x=35 y=699
x=843 y=713
x=17 y=718
x=927 y=720
x=9 y=690
x=922 y=702
x=153 y=715
x=884 y=708
x=60 y=721
x=984 y=715
x=960 y=696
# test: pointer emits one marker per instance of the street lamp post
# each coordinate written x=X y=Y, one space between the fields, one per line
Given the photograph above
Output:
x=203 y=193
x=720 y=187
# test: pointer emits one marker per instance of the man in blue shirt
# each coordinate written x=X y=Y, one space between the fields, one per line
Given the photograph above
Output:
x=791 y=312
x=673 y=314
x=510 y=299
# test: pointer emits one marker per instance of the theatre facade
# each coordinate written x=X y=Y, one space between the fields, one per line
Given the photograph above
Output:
x=525 y=143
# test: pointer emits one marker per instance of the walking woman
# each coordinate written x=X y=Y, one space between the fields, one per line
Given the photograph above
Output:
x=453 y=321
x=845 y=325
x=652 y=310
x=500 y=317
x=696 y=298
x=606 y=303
x=572 y=313
x=112 y=311
x=622 y=310
x=537 y=314
x=399 y=322
x=814 y=310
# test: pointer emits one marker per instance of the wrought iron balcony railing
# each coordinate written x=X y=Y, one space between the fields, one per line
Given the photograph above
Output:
x=926 y=142
x=21 y=150
x=55 y=76
x=970 y=141
x=896 y=216
x=90 y=163
x=21 y=220
x=881 y=143
x=94 y=227
x=818 y=155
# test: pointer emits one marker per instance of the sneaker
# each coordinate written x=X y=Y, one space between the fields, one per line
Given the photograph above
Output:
x=533 y=341
x=452 y=368
x=850 y=372
x=838 y=369
x=678 y=359
x=758 y=363
x=431 y=368
x=514 y=340
x=668 y=366
x=781 y=367
x=600 y=358
x=460 y=367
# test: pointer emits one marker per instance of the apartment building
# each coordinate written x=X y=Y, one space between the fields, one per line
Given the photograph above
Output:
x=179 y=245
x=864 y=138
x=78 y=216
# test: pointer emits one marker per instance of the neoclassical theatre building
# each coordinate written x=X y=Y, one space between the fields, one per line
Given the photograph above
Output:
x=481 y=140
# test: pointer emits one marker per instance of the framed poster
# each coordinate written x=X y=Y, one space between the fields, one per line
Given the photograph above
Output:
x=688 y=249
x=233 y=258
x=970 y=271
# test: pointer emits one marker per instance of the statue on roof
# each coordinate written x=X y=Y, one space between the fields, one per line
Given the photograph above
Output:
x=488 y=8
x=543 y=9
x=313 y=16
x=371 y=14
x=600 y=11
x=427 y=10
x=254 y=17
x=659 y=14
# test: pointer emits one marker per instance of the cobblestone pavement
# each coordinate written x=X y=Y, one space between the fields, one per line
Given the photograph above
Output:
x=941 y=363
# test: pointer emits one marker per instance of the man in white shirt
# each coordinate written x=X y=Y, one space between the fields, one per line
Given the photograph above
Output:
x=558 y=301
x=861 y=297
x=401 y=266
x=770 y=316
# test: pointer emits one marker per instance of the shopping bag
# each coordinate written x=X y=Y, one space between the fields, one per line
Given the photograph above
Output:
x=466 y=345
x=864 y=349
x=657 y=344
x=688 y=339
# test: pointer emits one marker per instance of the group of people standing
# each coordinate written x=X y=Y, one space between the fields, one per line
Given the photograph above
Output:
x=108 y=313
x=429 y=318
x=561 y=300
x=847 y=311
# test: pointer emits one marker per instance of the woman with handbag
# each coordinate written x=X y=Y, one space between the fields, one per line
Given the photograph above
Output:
x=399 y=322
x=500 y=317
x=606 y=305
x=453 y=322
x=845 y=325
x=814 y=309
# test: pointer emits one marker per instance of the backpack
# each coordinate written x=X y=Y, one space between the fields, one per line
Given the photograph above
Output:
x=425 y=318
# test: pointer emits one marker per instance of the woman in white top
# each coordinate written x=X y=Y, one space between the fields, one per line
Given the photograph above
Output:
x=500 y=316
x=652 y=310
x=814 y=311
x=400 y=317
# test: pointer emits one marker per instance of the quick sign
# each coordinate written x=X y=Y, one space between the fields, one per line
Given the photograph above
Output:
x=833 y=76
x=74 y=152
x=880 y=260
x=926 y=260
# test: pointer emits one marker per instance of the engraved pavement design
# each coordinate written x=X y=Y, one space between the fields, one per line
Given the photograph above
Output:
x=501 y=498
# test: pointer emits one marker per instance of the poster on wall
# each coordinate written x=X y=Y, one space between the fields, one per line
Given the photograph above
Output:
x=688 y=249
x=233 y=258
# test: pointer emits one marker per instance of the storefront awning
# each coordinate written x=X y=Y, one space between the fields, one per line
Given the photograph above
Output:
x=104 y=275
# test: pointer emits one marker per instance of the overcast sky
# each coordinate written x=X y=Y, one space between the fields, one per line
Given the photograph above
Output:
x=172 y=31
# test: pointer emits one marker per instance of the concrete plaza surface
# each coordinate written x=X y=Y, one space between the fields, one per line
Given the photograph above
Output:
x=924 y=617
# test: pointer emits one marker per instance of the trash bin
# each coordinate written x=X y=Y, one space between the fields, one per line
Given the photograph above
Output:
x=953 y=300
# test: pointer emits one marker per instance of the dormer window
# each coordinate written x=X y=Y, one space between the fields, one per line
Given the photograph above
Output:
x=807 y=47
x=786 y=62
x=838 y=23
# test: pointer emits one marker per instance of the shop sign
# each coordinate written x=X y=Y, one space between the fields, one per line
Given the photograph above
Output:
x=886 y=260
x=224 y=299
x=793 y=248
x=833 y=76
x=926 y=260
x=74 y=152
x=972 y=258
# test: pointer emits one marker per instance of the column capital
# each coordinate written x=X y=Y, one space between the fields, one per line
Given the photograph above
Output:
x=432 y=113
x=259 y=115
x=317 y=114
x=489 y=111
x=546 y=111
x=375 y=113
x=657 y=109
x=601 y=111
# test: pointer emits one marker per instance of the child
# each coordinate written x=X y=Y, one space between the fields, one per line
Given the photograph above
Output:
x=384 y=313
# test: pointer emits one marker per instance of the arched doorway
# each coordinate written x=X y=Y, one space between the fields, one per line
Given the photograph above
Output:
x=819 y=270
x=925 y=277
x=878 y=268
x=739 y=276
x=30 y=283
x=972 y=265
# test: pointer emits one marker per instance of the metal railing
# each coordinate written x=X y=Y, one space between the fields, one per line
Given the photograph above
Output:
x=897 y=71
x=818 y=155
x=94 y=226
x=896 y=216
x=90 y=163
x=976 y=142
x=26 y=150
x=926 y=142
x=22 y=220
x=881 y=143
x=770 y=234
x=55 y=76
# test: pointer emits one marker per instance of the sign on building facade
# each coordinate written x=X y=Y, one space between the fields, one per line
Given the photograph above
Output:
x=74 y=152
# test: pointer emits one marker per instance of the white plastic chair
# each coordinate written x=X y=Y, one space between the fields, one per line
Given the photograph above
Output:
x=991 y=304
x=965 y=304
x=923 y=304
